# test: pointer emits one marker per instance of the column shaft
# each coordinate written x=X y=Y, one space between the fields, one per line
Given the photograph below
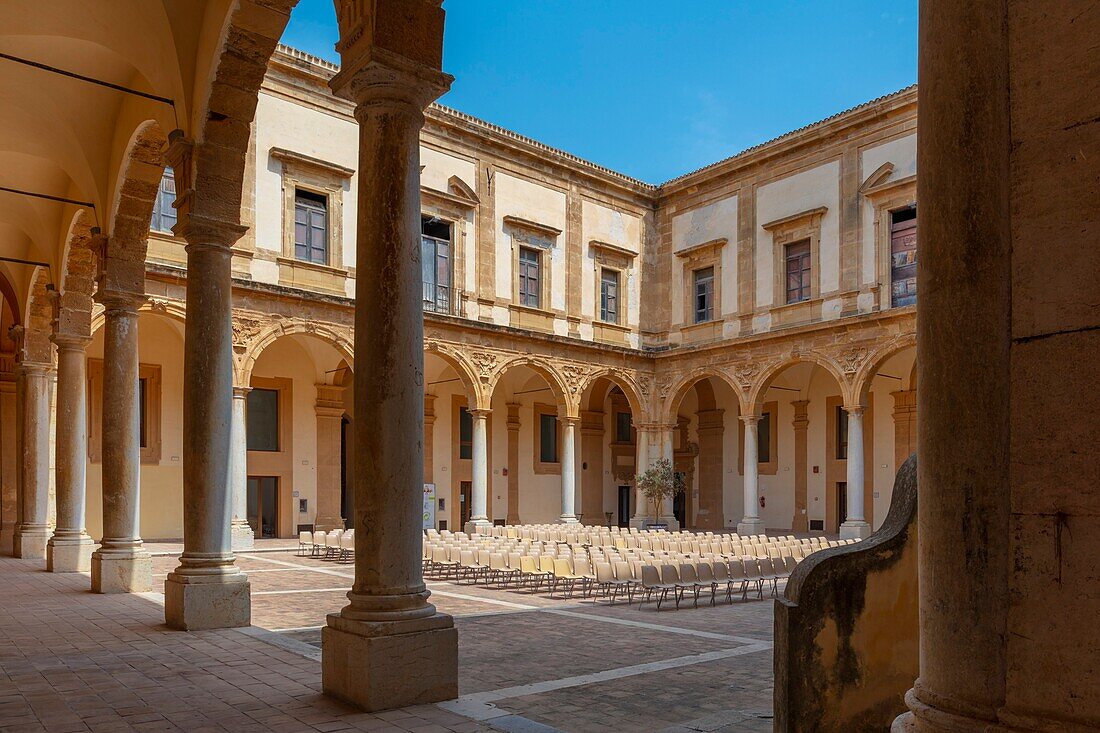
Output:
x=9 y=494
x=121 y=564
x=207 y=590
x=479 y=508
x=751 y=524
x=70 y=548
x=800 y=521
x=855 y=525
x=330 y=410
x=642 y=463
x=33 y=530
x=243 y=538
x=569 y=470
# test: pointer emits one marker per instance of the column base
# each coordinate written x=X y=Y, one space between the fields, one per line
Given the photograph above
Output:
x=218 y=602
x=31 y=545
x=568 y=519
x=385 y=665
x=471 y=527
x=67 y=555
x=122 y=573
x=242 y=537
x=749 y=526
x=923 y=718
x=855 y=530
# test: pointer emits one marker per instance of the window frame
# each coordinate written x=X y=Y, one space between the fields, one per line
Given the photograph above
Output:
x=523 y=281
x=540 y=466
x=162 y=206
x=310 y=203
x=793 y=229
x=150 y=418
x=804 y=261
x=910 y=298
x=612 y=315
x=464 y=414
x=279 y=438
x=708 y=310
x=433 y=302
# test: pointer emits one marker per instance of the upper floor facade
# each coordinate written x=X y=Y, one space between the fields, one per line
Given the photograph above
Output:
x=814 y=226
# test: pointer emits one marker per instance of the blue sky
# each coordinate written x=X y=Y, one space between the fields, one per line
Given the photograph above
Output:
x=653 y=93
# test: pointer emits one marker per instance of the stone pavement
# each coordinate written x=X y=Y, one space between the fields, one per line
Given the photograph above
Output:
x=74 y=661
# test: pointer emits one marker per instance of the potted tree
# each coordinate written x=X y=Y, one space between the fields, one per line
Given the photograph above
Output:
x=658 y=484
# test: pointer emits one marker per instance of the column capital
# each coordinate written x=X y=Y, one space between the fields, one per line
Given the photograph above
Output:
x=570 y=420
x=204 y=232
x=70 y=341
x=119 y=302
x=384 y=79
x=34 y=368
x=480 y=412
x=240 y=393
x=854 y=410
x=749 y=419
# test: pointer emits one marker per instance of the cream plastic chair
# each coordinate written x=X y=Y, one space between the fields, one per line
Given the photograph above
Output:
x=305 y=542
x=653 y=584
x=705 y=571
x=563 y=574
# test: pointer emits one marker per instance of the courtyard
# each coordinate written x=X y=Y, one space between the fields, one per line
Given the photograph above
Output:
x=76 y=661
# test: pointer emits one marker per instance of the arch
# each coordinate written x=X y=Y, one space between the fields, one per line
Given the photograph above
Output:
x=470 y=385
x=676 y=396
x=870 y=366
x=544 y=369
x=621 y=381
x=327 y=333
x=36 y=345
x=7 y=292
x=754 y=399
x=132 y=208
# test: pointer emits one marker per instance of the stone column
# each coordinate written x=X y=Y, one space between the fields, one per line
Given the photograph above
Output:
x=751 y=523
x=207 y=590
x=121 y=564
x=9 y=495
x=801 y=521
x=479 y=509
x=711 y=512
x=642 y=463
x=330 y=410
x=513 y=463
x=243 y=538
x=429 y=439
x=569 y=470
x=389 y=647
x=33 y=530
x=666 y=439
x=70 y=548
x=855 y=526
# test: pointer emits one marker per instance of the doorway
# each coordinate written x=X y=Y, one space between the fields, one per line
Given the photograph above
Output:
x=263 y=506
x=624 y=506
x=841 y=503
x=465 y=502
x=347 y=492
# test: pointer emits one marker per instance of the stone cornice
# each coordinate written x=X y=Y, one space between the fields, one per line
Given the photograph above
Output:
x=810 y=216
x=304 y=161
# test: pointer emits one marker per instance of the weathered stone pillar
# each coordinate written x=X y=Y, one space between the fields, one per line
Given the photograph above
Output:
x=751 y=523
x=330 y=410
x=642 y=463
x=568 y=469
x=711 y=514
x=243 y=538
x=479 y=502
x=800 y=522
x=33 y=530
x=207 y=590
x=389 y=647
x=9 y=495
x=70 y=548
x=592 y=435
x=121 y=564
x=513 y=463
x=855 y=526
x=964 y=278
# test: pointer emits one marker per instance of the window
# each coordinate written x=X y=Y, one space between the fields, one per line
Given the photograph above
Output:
x=798 y=271
x=310 y=227
x=609 y=295
x=530 y=261
x=841 y=434
x=435 y=261
x=622 y=427
x=263 y=420
x=704 y=295
x=465 y=434
x=903 y=257
x=764 y=438
x=548 y=438
x=164 y=214
x=143 y=407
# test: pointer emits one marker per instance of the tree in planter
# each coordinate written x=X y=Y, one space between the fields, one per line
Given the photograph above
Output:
x=658 y=484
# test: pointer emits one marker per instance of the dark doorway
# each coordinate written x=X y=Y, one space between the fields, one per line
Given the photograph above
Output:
x=624 y=506
x=263 y=505
x=841 y=503
x=679 y=509
x=347 y=491
x=466 y=499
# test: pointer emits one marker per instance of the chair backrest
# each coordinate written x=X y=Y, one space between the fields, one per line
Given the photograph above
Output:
x=604 y=573
x=515 y=560
x=319 y=538
x=305 y=538
x=650 y=576
x=669 y=574
x=439 y=554
x=791 y=563
x=466 y=557
x=623 y=571
x=561 y=568
x=546 y=563
x=752 y=567
x=721 y=571
x=688 y=573
x=736 y=569
x=705 y=571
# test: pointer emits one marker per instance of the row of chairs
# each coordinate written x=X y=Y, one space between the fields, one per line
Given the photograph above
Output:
x=336 y=544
